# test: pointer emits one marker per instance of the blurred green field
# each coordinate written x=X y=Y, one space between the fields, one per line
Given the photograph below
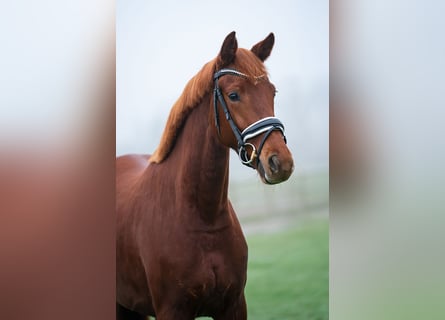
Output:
x=288 y=273
x=287 y=230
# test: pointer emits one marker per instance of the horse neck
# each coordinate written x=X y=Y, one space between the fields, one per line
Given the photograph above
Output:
x=203 y=164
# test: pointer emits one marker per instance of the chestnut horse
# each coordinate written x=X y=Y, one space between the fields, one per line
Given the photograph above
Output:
x=181 y=252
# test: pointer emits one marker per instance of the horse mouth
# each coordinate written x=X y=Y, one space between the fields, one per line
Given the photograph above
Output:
x=274 y=173
x=263 y=175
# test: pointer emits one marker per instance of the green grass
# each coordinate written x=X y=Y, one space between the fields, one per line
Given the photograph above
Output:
x=288 y=273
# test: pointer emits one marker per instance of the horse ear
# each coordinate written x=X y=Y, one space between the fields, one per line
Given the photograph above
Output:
x=228 y=50
x=263 y=48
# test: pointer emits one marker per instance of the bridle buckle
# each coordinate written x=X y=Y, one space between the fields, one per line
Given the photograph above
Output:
x=244 y=156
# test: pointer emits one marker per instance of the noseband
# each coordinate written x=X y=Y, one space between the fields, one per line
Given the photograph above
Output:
x=265 y=125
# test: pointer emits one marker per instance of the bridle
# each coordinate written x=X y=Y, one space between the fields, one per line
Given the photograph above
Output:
x=266 y=125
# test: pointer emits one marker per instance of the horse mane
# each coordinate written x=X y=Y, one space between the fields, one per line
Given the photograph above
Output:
x=197 y=87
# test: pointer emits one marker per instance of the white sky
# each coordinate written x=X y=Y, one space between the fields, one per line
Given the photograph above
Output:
x=161 y=45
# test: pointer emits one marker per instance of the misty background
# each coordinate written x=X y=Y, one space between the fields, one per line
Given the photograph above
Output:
x=161 y=45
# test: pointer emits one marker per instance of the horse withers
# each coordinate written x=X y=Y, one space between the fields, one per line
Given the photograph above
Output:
x=181 y=252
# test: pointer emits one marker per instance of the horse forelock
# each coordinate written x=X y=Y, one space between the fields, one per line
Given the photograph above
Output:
x=197 y=87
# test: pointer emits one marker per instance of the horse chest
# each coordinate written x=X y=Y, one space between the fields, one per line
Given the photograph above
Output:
x=215 y=277
x=222 y=259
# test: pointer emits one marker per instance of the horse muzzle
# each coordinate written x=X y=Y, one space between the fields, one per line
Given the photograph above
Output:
x=275 y=163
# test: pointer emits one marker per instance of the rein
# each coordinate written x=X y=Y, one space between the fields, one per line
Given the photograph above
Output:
x=266 y=125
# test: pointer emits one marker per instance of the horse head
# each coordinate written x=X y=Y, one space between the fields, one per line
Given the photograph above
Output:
x=243 y=113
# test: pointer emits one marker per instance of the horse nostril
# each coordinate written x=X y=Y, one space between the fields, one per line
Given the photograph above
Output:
x=274 y=164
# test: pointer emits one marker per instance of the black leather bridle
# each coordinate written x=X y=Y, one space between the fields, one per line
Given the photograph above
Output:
x=265 y=125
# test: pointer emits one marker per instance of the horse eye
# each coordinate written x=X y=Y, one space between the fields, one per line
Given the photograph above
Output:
x=234 y=96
